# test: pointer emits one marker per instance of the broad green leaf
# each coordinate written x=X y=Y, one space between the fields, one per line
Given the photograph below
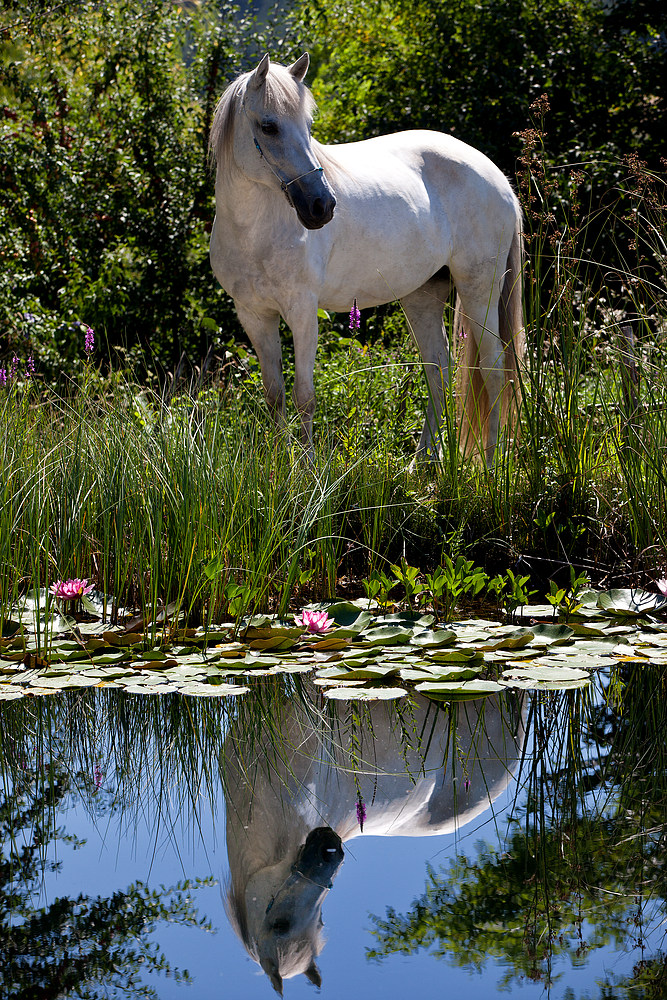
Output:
x=551 y=635
x=365 y=694
x=632 y=602
x=545 y=678
x=434 y=639
x=444 y=690
x=386 y=635
x=358 y=673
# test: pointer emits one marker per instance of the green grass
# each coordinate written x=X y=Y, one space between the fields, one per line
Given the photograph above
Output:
x=186 y=495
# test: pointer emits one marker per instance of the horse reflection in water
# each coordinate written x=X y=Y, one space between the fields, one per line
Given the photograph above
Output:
x=290 y=807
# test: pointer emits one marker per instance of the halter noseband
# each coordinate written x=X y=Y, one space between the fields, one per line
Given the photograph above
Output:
x=284 y=185
x=294 y=870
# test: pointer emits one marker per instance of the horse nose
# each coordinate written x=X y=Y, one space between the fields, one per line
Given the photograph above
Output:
x=322 y=209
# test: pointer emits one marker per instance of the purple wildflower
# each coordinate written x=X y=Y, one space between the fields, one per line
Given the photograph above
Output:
x=89 y=344
x=13 y=368
x=361 y=813
x=3 y=378
x=30 y=367
x=355 y=316
x=97 y=776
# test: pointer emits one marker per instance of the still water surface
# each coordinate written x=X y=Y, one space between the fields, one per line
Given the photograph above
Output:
x=565 y=899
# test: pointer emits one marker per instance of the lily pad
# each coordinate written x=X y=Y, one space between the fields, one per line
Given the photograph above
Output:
x=631 y=602
x=434 y=639
x=446 y=690
x=386 y=635
x=365 y=693
x=541 y=678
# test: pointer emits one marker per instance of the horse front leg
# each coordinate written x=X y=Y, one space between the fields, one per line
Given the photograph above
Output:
x=263 y=331
x=302 y=321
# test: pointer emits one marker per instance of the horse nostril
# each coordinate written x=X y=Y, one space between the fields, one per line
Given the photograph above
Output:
x=318 y=208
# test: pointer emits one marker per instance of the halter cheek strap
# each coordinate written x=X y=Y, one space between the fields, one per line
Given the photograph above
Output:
x=284 y=185
x=294 y=870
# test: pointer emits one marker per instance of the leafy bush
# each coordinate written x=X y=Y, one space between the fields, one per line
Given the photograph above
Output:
x=109 y=197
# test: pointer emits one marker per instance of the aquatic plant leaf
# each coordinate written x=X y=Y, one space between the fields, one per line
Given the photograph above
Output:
x=10 y=629
x=197 y=690
x=545 y=678
x=278 y=642
x=445 y=690
x=550 y=635
x=8 y=693
x=386 y=635
x=124 y=639
x=434 y=639
x=514 y=639
x=456 y=655
x=230 y=650
x=365 y=693
x=358 y=673
x=442 y=672
x=259 y=660
x=122 y=657
x=535 y=611
x=345 y=613
x=632 y=602
x=332 y=643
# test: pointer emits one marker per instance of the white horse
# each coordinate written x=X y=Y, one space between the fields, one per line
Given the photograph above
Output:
x=291 y=807
x=300 y=225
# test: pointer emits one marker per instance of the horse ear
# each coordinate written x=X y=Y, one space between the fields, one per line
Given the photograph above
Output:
x=259 y=76
x=299 y=68
x=271 y=969
x=313 y=975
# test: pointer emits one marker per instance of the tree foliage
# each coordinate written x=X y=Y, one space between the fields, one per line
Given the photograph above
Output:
x=108 y=195
x=87 y=946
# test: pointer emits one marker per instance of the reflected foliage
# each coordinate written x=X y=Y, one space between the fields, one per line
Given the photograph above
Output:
x=582 y=869
x=88 y=946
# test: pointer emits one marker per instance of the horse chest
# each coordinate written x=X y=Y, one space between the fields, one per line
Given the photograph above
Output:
x=251 y=266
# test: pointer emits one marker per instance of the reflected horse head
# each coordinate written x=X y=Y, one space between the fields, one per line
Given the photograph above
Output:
x=287 y=931
x=291 y=807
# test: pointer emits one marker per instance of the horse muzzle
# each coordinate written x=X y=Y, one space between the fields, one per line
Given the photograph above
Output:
x=314 y=209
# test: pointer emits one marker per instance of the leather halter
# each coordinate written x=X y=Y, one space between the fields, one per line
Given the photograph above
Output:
x=284 y=185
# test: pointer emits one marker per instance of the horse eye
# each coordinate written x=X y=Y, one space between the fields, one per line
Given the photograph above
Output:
x=269 y=128
x=281 y=926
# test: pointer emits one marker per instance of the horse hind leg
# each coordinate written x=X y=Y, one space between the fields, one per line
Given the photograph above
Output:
x=424 y=310
x=481 y=375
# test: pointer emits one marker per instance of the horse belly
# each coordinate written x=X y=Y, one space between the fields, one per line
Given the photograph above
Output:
x=385 y=261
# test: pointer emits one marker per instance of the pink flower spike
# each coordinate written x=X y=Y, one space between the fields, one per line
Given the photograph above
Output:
x=70 y=590
x=355 y=317
x=662 y=586
x=314 y=621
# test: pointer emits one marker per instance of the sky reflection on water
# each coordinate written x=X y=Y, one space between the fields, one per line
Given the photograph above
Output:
x=132 y=842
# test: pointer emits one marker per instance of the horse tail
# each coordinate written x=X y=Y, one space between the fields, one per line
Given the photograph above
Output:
x=473 y=399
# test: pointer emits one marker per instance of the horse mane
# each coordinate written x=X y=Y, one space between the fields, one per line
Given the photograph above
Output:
x=283 y=94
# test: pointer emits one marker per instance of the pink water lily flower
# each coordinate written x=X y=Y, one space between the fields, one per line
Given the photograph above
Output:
x=70 y=590
x=662 y=586
x=314 y=621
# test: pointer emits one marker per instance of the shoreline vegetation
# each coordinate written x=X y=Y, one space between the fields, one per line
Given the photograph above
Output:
x=163 y=481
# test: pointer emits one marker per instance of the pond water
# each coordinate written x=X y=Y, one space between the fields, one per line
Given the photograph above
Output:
x=511 y=843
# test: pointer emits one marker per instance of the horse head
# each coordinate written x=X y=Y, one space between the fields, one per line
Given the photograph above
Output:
x=278 y=110
x=284 y=908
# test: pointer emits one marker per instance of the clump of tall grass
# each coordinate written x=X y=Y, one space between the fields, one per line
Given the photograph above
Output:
x=186 y=497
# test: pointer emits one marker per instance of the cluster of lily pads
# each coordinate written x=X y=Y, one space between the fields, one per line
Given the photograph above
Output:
x=351 y=649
